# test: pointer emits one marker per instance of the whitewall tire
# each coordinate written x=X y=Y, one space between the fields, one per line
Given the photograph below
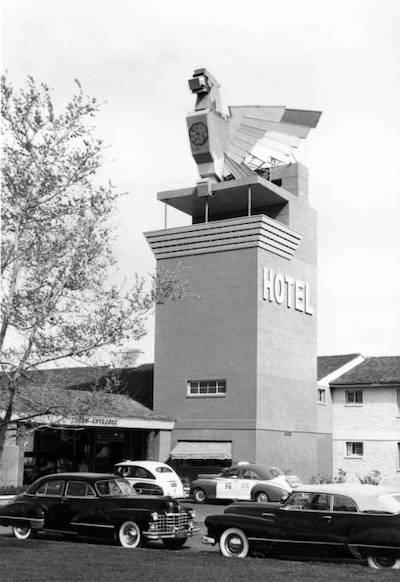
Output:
x=382 y=562
x=234 y=543
x=261 y=497
x=129 y=535
x=23 y=532
x=199 y=496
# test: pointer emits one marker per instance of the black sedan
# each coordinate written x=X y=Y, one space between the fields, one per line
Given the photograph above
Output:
x=97 y=505
x=360 y=521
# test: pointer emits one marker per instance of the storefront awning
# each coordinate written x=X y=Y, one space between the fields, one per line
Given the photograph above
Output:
x=202 y=450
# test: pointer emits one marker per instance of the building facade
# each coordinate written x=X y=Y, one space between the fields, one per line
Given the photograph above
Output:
x=366 y=420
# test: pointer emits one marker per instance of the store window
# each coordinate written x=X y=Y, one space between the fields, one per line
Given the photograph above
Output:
x=321 y=396
x=206 y=388
x=354 y=397
x=354 y=449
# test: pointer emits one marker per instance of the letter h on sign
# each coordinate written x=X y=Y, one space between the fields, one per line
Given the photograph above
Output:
x=268 y=284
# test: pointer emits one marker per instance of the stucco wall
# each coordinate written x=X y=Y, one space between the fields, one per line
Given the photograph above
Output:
x=375 y=423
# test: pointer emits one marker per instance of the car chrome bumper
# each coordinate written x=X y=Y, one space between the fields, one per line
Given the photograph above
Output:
x=208 y=540
x=175 y=533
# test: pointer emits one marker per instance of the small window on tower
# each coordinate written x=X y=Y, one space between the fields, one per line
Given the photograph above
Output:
x=321 y=396
x=204 y=388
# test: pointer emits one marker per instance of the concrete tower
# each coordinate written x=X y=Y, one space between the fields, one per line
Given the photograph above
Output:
x=235 y=361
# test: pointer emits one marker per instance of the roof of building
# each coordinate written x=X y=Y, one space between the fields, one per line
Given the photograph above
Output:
x=75 y=391
x=379 y=370
x=328 y=364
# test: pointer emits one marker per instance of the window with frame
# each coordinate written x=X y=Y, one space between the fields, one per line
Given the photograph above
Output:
x=206 y=388
x=354 y=397
x=79 y=489
x=354 y=449
x=344 y=503
x=51 y=488
x=321 y=396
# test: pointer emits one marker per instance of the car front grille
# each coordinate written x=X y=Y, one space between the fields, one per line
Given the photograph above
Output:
x=171 y=521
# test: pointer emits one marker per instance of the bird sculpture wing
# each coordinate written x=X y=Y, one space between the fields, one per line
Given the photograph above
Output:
x=279 y=127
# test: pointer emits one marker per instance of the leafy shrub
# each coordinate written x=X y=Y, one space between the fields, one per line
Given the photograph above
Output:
x=340 y=477
x=372 y=478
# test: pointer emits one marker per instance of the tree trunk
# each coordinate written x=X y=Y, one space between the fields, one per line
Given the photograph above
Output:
x=5 y=421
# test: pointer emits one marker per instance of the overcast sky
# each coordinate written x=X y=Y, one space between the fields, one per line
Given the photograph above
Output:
x=341 y=57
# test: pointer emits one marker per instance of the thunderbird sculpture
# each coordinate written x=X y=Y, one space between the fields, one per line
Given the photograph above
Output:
x=223 y=145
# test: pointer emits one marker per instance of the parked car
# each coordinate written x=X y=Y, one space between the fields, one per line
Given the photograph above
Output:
x=151 y=478
x=243 y=481
x=360 y=521
x=97 y=505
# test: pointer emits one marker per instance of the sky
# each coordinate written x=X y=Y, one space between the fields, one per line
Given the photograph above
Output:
x=339 y=57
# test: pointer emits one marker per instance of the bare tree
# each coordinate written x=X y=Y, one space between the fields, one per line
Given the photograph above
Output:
x=57 y=242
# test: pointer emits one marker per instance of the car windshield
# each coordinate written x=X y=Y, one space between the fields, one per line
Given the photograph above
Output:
x=114 y=487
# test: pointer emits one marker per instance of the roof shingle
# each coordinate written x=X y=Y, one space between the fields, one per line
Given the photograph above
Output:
x=377 y=370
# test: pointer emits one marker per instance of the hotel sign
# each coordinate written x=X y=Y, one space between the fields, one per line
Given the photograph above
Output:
x=285 y=290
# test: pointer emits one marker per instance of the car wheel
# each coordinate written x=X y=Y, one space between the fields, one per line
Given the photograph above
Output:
x=174 y=544
x=129 y=535
x=234 y=543
x=199 y=496
x=261 y=497
x=23 y=532
x=379 y=562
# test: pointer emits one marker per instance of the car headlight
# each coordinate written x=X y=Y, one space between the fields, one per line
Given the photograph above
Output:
x=191 y=513
x=154 y=516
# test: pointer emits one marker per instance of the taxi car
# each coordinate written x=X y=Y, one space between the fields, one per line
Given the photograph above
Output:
x=347 y=520
x=151 y=478
x=243 y=481
x=97 y=505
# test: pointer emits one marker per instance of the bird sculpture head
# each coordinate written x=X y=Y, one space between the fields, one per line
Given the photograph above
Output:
x=223 y=145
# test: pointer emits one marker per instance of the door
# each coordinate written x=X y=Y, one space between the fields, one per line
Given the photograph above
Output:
x=228 y=485
x=50 y=497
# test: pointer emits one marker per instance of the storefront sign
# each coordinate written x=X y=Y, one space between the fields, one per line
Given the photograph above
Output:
x=92 y=421
x=285 y=290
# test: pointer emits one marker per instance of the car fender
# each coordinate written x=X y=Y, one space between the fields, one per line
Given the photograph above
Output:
x=274 y=493
x=252 y=525
x=117 y=515
x=22 y=513
x=209 y=487
x=385 y=533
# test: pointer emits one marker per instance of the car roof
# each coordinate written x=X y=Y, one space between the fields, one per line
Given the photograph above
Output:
x=254 y=466
x=145 y=464
x=80 y=476
x=367 y=497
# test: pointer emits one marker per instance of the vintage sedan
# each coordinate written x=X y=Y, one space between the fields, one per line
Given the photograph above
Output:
x=348 y=520
x=243 y=481
x=151 y=477
x=97 y=505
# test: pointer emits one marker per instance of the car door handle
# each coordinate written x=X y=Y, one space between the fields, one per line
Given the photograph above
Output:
x=327 y=517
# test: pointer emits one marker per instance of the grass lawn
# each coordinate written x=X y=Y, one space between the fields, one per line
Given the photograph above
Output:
x=53 y=560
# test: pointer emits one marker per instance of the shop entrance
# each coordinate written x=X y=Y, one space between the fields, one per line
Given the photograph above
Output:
x=60 y=449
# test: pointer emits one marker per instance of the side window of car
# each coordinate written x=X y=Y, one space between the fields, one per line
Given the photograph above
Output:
x=225 y=473
x=141 y=473
x=232 y=473
x=298 y=502
x=343 y=503
x=51 y=488
x=248 y=474
x=321 y=502
x=78 y=489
